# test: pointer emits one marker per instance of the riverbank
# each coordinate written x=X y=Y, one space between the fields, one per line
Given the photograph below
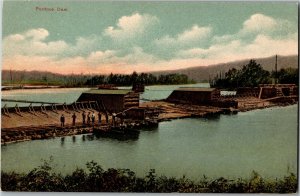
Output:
x=96 y=179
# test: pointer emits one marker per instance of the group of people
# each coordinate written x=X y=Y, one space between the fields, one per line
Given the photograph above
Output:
x=90 y=118
x=87 y=119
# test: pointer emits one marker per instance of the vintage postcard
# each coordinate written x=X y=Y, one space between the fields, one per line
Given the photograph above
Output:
x=149 y=96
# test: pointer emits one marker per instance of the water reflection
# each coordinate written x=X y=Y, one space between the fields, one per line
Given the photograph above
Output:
x=213 y=117
x=62 y=141
x=119 y=137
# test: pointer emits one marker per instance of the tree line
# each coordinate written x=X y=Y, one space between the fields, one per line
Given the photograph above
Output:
x=80 y=80
x=143 y=78
x=253 y=74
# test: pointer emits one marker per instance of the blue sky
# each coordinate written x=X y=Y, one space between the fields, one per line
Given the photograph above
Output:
x=120 y=37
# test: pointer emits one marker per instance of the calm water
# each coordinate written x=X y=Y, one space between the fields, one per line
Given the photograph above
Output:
x=229 y=146
x=56 y=95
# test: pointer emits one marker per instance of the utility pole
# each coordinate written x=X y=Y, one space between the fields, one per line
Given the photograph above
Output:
x=276 y=70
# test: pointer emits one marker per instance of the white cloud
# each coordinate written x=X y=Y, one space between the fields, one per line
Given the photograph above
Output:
x=131 y=26
x=32 y=43
x=259 y=23
x=194 y=46
x=137 y=55
x=100 y=57
x=37 y=34
x=84 y=46
x=193 y=36
x=214 y=51
x=266 y=46
x=262 y=46
x=15 y=38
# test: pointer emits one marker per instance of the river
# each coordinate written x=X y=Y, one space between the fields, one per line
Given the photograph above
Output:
x=228 y=145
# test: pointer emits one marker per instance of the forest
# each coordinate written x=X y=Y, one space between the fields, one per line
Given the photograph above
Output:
x=253 y=74
x=46 y=78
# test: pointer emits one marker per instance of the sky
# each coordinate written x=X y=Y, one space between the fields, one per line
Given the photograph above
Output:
x=96 y=37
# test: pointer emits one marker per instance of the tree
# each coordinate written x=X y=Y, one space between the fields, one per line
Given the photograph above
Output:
x=287 y=76
x=251 y=75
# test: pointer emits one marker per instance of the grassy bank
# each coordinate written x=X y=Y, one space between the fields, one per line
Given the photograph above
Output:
x=96 y=179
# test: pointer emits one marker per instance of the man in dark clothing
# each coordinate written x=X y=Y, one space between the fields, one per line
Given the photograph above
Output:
x=93 y=118
x=89 y=118
x=83 y=117
x=62 y=120
x=74 y=119
x=99 y=118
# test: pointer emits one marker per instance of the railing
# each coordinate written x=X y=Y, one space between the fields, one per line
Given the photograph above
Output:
x=48 y=106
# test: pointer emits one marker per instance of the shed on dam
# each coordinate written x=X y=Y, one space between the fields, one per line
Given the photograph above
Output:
x=194 y=95
x=112 y=100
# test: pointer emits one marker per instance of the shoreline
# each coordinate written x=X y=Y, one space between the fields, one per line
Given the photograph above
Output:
x=126 y=180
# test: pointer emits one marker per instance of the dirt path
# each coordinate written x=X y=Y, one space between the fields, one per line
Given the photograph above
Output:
x=41 y=118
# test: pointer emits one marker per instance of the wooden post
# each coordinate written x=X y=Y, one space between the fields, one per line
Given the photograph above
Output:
x=66 y=107
x=76 y=106
x=17 y=109
x=73 y=107
x=31 y=108
x=5 y=109
x=54 y=108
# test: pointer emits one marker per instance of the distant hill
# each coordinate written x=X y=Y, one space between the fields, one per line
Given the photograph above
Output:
x=200 y=73
x=203 y=73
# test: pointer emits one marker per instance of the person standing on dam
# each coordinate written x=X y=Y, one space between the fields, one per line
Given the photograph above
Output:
x=93 y=118
x=74 y=119
x=62 y=120
x=114 y=119
x=83 y=117
x=89 y=118
x=99 y=118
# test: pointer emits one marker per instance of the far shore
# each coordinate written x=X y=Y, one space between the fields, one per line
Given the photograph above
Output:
x=17 y=87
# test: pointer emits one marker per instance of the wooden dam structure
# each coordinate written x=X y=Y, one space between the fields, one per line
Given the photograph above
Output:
x=115 y=110
x=120 y=110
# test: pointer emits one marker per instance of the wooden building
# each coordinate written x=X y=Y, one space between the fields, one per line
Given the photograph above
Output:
x=194 y=95
x=277 y=90
x=265 y=91
x=111 y=100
